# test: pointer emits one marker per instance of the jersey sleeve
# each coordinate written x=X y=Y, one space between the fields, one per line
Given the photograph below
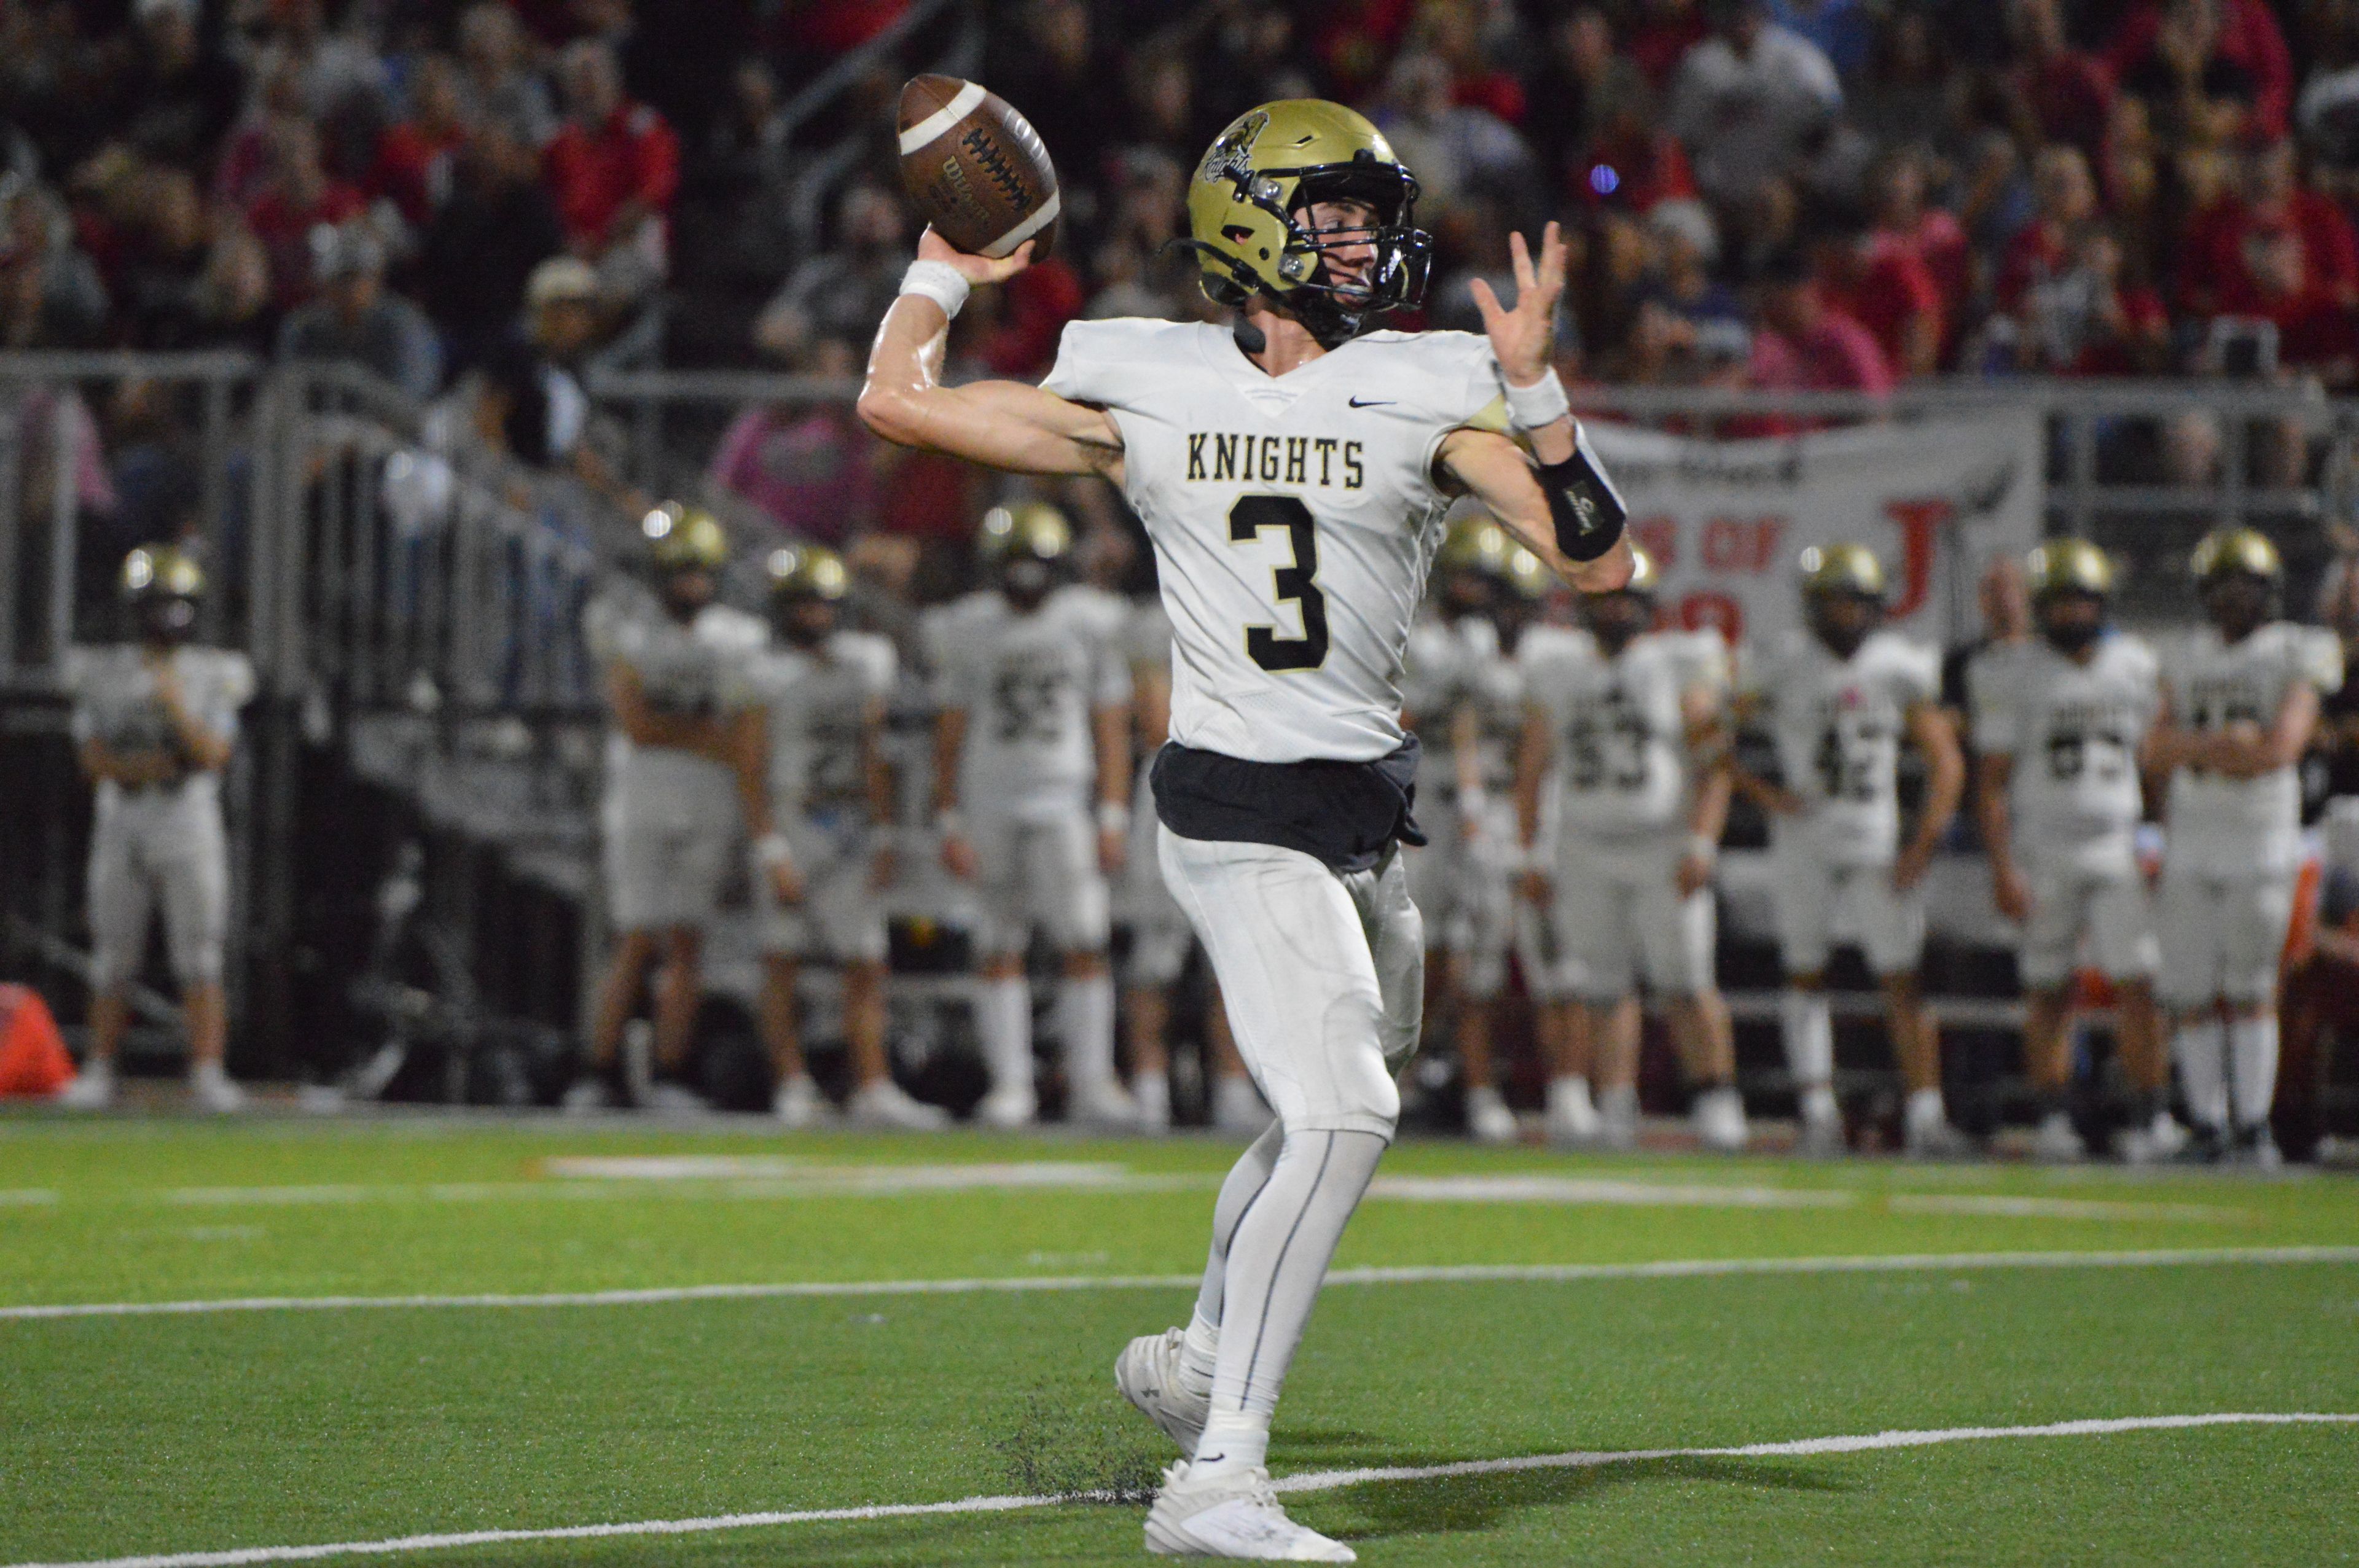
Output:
x=229 y=689
x=1702 y=661
x=1092 y=357
x=1990 y=693
x=1916 y=674
x=2148 y=677
x=2319 y=660
x=880 y=665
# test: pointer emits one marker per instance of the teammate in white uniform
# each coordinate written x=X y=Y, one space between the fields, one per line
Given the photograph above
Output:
x=1293 y=477
x=1033 y=714
x=1463 y=694
x=679 y=765
x=156 y=721
x=2240 y=700
x=1840 y=699
x=2059 y=724
x=1632 y=724
x=816 y=701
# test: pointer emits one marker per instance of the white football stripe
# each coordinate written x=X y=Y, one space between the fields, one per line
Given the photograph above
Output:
x=1413 y=1274
x=1316 y=1481
x=1006 y=245
x=960 y=106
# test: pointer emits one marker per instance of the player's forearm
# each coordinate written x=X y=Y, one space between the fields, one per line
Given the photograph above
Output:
x=1113 y=736
x=1707 y=814
x=903 y=369
x=1465 y=744
x=132 y=770
x=949 y=742
x=205 y=749
x=1532 y=772
x=749 y=752
x=1992 y=812
x=876 y=774
x=1945 y=775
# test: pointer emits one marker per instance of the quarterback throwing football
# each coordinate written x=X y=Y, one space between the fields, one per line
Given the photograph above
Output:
x=1293 y=472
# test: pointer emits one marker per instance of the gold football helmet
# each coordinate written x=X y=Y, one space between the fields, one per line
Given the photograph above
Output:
x=1030 y=529
x=1842 y=567
x=161 y=571
x=1475 y=543
x=2226 y=552
x=2069 y=566
x=685 y=538
x=1528 y=577
x=806 y=572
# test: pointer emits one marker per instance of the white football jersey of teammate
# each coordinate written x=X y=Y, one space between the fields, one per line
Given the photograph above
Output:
x=1620 y=762
x=2074 y=731
x=1029 y=686
x=114 y=695
x=818 y=705
x=2223 y=826
x=1838 y=724
x=692 y=670
x=1294 y=518
x=1454 y=666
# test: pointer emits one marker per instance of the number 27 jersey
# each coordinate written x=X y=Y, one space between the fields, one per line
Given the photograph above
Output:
x=1294 y=518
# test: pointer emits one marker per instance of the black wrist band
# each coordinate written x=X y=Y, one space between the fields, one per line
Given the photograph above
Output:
x=1582 y=502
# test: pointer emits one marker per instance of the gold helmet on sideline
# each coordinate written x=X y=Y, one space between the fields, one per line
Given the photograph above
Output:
x=1475 y=543
x=685 y=538
x=1261 y=172
x=806 y=572
x=2244 y=552
x=1529 y=576
x=1028 y=530
x=2069 y=566
x=161 y=571
x=1843 y=567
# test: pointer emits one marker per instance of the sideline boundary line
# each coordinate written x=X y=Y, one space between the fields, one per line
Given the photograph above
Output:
x=1316 y=1481
x=1675 y=1269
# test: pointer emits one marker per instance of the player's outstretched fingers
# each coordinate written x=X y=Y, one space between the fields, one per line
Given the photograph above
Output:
x=1525 y=280
x=1487 y=303
x=931 y=247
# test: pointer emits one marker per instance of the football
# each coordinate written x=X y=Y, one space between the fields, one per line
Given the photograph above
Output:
x=975 y=167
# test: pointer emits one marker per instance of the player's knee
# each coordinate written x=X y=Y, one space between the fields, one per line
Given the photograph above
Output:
x=1085 y=965
x=201 y=964
x=1813 y=980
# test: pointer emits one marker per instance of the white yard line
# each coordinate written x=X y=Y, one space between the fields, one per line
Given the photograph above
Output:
x=1316 y=1481
x=1416 y=1274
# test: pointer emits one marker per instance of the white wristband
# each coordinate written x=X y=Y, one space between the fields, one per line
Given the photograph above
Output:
x=772 y=851
x=1113 y=817
x=1703 y=847
x=938 y=281
x=1532 y=408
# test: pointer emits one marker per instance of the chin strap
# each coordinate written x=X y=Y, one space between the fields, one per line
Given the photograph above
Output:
x=1587 y=510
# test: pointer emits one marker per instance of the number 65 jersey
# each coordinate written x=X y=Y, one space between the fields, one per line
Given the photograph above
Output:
x=1838 y=725
x=1294 y=518
x=2074 y=731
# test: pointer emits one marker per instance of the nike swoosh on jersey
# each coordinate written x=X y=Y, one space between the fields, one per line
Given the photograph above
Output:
x=1372 y=402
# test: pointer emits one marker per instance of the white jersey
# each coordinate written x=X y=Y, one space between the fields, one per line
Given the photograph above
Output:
x=113 y=694
x=817 y=706
x=1029 y=686
x=1621 y=750
x=1294 y=518
x=1838 y=725
x=1454 y=666
x=2225 y=825
x=692 y=670
x=2073 y=730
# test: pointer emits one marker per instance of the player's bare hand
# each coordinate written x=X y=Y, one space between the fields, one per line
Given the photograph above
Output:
x=1782 y=801
x=1114 y=849
x=882 y=867
x=973 y=268
x=786 y=883
x=1535 y=887
x=1908 y=868
x=2011 y=891
x=958 y=857
x=1694 y=875
x=1524 y=338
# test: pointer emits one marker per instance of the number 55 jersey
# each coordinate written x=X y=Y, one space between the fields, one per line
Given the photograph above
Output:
x=2074 y=731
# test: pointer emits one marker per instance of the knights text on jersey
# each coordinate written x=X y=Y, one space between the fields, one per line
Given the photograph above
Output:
x=1028 y=685
x=1621 y=754
x=2230 y=827
x=1838 y=725
x=817 y=707
x=1294 y=518
x=2074 y=731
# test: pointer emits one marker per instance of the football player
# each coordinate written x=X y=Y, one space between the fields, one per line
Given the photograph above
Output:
x=1840 y=696
x=1632 y=724
x=676 y=771
x=1463 y=698
x=2057 y=726
x=1292 y=470
x=822 y=858
x=2240 y=702
x=1032 y=799
x=155 y=722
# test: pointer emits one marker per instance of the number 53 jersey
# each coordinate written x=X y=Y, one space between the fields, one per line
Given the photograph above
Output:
x=1294 y=518
x=1028 y=685
x=1838 y=725
x=2073 y=730
x=1618 y=725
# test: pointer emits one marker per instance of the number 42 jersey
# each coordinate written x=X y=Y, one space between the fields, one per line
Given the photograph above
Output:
x=1838 y=725
x=1294 y=518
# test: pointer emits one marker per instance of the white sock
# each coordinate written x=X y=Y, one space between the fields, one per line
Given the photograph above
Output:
x=2204 y=1071
x=1277 y=1261
x=1085 y=1025
x=2253 y=1067
x=1809 y=1028
x=1568 y=1099
x=211 y=1072
x=1619 y=1102
x=1926 y=1110
x=1153 y=1093
x=1002 y=1016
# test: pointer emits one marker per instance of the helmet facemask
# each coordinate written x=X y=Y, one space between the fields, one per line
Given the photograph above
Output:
x=166 y=621
x=2238 y=604
x=2071 y=619
x=1299 y=278
x=1842 y=620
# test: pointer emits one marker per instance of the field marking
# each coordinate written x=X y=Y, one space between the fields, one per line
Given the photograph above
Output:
x=1411 y=1274
x=2006 y=1207
x=1595 y=1190
x=25 y=1196
x=1315 y=1481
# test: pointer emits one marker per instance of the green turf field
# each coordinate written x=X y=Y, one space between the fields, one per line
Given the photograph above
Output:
x=152 y=1434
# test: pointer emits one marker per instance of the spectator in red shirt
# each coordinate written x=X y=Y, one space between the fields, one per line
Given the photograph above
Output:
x=2208 y=53
x=415 y=157
x=1886 y=288
x=612 y=169
x=2217 y=277
x=1660 y=39
x=2092 y=318
x=299 y=197
x=1901 y=220
x=2315 y=329
x=2066 y=200
x=1805 y=344
x=2068 y=92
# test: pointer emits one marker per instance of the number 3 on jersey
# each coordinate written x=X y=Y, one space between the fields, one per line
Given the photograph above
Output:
x=1247 y=519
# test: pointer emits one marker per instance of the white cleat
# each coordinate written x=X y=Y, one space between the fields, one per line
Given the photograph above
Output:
x=1937 y=1141
x=885 y=1106
x=1147 y=1373
x=93 y=1088
x=797 y=1104
x=1105 y=1103
x=211 y=1090
x=1488 y=1119
x=1820 y=1140
x=1617 y=1118
x=584 y=1096
x=1719 y=1120
x=676 y=1098
x=1237 y=1108
x=1234 y=1517
x=1008 y=1109
x=2056 y=1143
x=1572 y=1120
x=1153 y=1093
x=2160 y=1140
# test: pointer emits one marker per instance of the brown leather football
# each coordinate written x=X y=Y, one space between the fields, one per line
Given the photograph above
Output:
x=975 y=167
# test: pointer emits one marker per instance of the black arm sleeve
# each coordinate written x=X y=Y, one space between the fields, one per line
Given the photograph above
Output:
x=1587 y=510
